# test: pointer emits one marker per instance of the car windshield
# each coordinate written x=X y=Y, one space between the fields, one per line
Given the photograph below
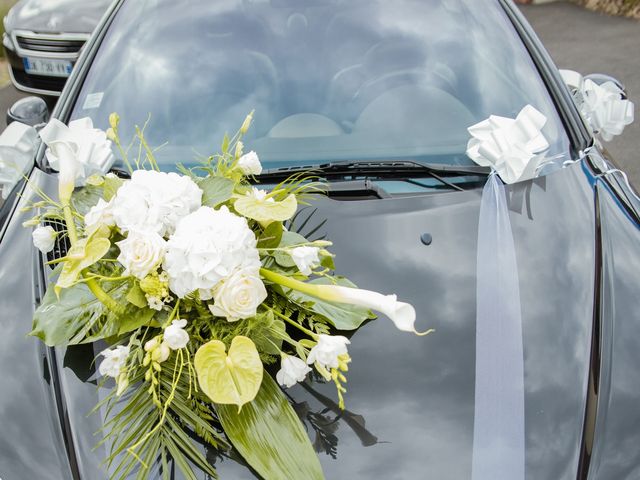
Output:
x=329 y=80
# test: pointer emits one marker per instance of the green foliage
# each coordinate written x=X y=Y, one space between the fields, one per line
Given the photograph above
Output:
x=289 y=239
x=146 y=431
x=271 y=235
x=57 y=321
x=215 y=190
x=269 y=435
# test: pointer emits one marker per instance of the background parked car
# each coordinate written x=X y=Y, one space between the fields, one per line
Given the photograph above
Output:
x=43 y=40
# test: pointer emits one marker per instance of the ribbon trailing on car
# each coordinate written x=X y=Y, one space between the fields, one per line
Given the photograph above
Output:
x=514 y=149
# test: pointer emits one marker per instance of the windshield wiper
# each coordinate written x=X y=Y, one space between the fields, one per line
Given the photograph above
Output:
x=388 y=169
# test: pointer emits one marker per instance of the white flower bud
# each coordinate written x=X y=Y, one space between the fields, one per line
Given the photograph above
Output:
x=114 y=361
x=292 y=370
x=175 y=336
x=44 y=238
x=327 y=350
x=305 y=258
x=161 y=353
x=250 y=164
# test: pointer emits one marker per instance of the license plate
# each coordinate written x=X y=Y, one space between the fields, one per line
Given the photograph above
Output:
x=47 y=66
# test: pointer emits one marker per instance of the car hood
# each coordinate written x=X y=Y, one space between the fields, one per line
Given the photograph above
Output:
x=410 y=400
x=55 y=16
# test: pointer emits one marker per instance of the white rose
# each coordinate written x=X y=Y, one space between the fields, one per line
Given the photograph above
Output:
x=155 y=201
x=239 y=296
x=141 y=252
x=98 y=215
x=44 y=238
x=327 y=350
x=305 y=258
x=207 y=247
x=175 y=336
x=292 y=370
x=114 y=361
x=250 y=164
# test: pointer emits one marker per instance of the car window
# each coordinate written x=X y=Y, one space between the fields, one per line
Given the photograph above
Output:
x=328 y=80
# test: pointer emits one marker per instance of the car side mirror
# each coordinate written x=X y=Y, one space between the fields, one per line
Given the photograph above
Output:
x=600 y=78
x=31 y=111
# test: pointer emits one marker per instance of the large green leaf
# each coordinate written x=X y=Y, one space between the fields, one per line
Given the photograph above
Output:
x=86 y=197
x=264 y=211
x=134 y=319
x=271 y=236
x=215 y=190
x=343 y=316
x=232 y=377
x=83 y=254
x=56 y=321
x=269 y=435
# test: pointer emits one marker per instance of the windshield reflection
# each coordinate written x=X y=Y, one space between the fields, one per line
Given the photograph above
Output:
x=328 y=80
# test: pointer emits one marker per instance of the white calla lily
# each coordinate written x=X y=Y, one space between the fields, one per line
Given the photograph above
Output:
x=402 y=314
x=77 y=151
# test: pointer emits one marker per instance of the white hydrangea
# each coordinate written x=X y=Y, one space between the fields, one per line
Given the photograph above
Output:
x=305 y=258
x=155 y=201
x=292 y=370
x=327 y=350
x=207 y=247
x=141 y=252
x=239 y=296
x=44 y=238
x=114 y=361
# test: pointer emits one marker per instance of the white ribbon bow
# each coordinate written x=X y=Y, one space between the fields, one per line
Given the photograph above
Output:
x=17 y=147
x=602 y=106
x=77 y=151
x=512 y=147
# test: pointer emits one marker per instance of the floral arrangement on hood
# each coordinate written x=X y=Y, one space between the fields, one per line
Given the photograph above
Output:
x=196 y=285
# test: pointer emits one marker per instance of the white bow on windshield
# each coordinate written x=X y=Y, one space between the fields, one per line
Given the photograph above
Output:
x=512 y=147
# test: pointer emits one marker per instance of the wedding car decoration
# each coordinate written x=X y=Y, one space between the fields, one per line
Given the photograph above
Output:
x=197 y=290
x=605 y=107
x=513 y=148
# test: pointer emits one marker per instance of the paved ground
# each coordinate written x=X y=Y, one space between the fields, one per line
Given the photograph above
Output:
x=577 y=39
x=589 y=42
